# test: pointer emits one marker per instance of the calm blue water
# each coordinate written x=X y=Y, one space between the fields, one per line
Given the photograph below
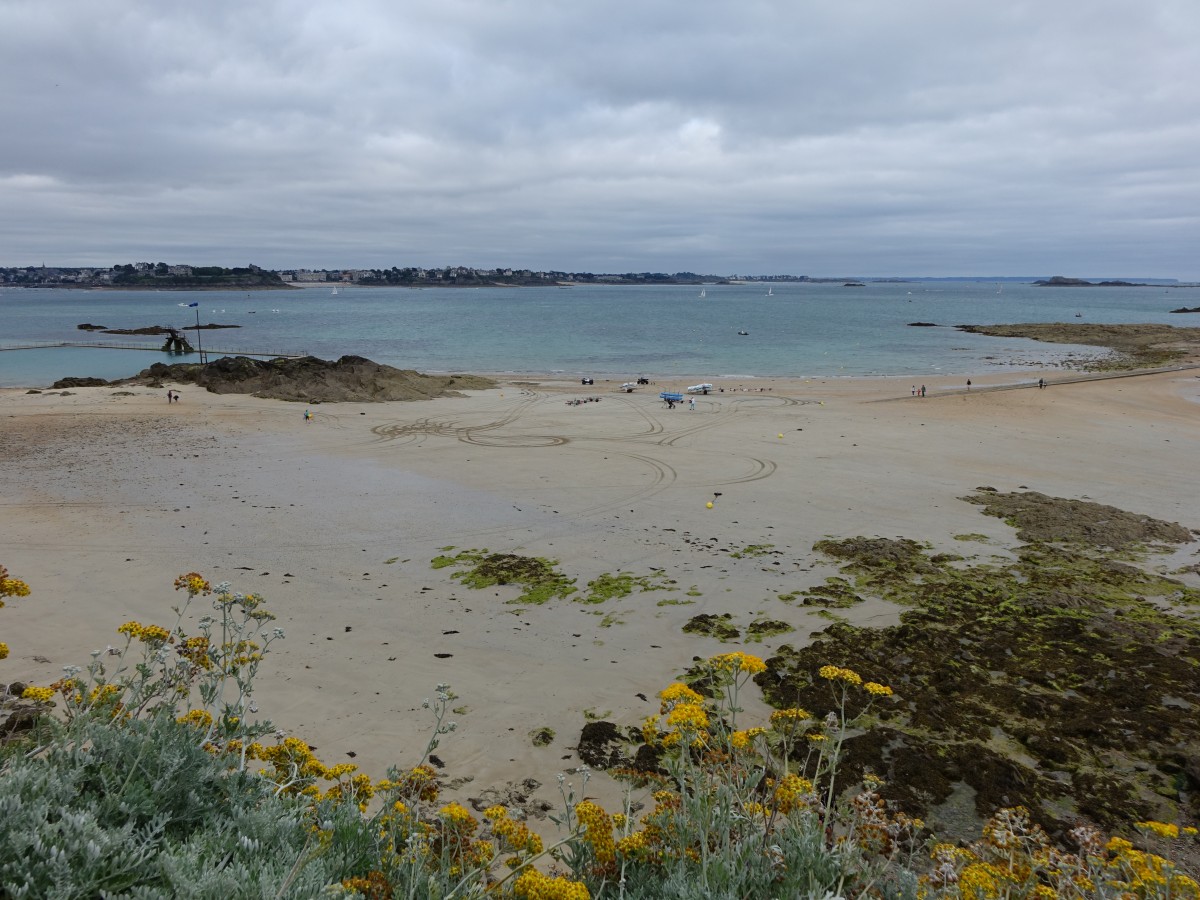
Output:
x=802 y=330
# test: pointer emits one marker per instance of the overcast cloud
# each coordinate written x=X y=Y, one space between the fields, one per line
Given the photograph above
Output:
x=867 y=137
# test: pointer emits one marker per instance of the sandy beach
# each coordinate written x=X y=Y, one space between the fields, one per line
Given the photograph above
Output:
x=110 y=493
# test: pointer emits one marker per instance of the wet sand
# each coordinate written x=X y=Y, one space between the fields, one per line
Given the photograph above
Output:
x=109 y=493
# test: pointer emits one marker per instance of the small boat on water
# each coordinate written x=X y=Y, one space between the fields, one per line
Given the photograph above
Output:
x=743 y=332
x=703 y=293
x=770 y=292
x=333 y=292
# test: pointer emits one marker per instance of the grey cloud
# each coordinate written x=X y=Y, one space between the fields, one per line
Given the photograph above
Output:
x=758 y=136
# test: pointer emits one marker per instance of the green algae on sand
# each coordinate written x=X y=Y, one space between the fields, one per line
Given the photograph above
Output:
x=1062 y=680
x=539 y=578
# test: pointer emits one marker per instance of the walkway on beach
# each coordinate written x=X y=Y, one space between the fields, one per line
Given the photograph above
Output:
x=1073 y=379
x=157 y=348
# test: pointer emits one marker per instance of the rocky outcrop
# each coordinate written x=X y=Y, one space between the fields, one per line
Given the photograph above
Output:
x=1060 y=281
x=312 y=380
x=78 y=382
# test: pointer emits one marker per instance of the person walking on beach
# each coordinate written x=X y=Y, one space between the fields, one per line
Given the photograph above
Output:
x=692 y=403
x=922 y=390
x=170 y=397
x=1041 y=383
x=968 y=384
x=307 y=417
x=914 y=390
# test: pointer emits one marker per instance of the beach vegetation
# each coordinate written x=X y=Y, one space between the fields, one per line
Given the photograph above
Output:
x=538 y=578
x=541 y=737
x=719 y=626
x=836 y=592
x=151 y=776
x=751 y=551
x=761 y=629
x=609 y=586
x=1040 y=518
x=10 y=587
x=676 y=601
x=1134 y=346
x=1015 y=674
x=973 y=536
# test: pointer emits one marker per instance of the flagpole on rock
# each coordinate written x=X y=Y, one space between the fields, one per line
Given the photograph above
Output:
x=199 y=345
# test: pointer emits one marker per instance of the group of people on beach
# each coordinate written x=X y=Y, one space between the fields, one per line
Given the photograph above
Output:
x=918 y=391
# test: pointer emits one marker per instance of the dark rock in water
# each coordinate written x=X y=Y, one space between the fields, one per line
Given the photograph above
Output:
x=1184 y=309
x=853 y=284
x=922 y=324
x=313 y=380
x=79 y=382
x=149 y=329
x=88 y=326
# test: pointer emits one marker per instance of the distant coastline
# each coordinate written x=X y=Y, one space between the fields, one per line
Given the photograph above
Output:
x=163 y=277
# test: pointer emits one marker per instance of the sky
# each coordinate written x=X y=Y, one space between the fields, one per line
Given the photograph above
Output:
x=840 y=137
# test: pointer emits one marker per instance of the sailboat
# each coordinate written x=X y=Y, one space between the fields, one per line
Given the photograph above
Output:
x=770 y=292
x=703 y=293
x=333 y=292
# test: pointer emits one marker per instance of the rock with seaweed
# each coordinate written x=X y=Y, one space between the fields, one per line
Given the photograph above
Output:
x=312 y=380
x=1063 y=680
x=1136 y=345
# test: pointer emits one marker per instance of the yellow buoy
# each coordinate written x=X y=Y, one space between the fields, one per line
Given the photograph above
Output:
x=709 y=504
x=780 y=434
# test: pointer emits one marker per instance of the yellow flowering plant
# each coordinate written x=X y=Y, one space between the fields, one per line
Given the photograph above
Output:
x=10 y=587
x=204 y=679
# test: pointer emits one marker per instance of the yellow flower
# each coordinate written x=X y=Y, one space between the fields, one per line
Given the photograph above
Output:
x=744 y=740
x=11 y=587
x=738 y=662
x=791 y=792
x=456 y=815
x=598 y=833
x=153 y=634
x=1161 y=829
x=879 y=690
x=133 y=629
x=193 y=583
x=678 y=693
x=837 y=673
x=632 y=844
x=38 y=694
x=3 y=650
x=688 y=716
x=533 y=885
x=199 y=718
x=782 y=719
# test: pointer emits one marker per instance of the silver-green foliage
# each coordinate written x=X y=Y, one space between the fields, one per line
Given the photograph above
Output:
x=134 y=808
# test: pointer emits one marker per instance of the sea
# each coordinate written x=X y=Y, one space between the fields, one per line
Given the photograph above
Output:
x=707 y=332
